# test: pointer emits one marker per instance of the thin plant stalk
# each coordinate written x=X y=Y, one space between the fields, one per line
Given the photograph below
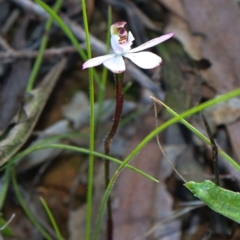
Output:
x=42 y=48
x=51 y=218
x=92 y=127
x=107 y=142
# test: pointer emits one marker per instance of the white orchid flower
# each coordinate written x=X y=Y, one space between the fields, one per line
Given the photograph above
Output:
x=121 y=42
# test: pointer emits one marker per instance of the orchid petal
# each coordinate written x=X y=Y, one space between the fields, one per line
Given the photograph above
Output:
x=115 y=64
x=145 y=60
x=97 y=61
x=152 y=42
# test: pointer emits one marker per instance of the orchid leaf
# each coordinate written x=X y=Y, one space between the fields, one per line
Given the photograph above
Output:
x=218 y=199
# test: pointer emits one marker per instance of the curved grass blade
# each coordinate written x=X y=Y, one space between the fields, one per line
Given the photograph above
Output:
x=52 y=220
x=200 y=135
x=81 y=150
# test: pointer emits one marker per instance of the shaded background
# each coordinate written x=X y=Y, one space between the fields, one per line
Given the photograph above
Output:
x=200 y=62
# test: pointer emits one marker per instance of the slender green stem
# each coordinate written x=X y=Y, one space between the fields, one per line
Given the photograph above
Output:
x=107 y=142
x=92 y=132
x=42 y=48
x=51 y=218
x=141 y=145
x=25 y=208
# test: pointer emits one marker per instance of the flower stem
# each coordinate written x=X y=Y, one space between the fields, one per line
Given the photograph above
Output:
x=107 y=142
x=92 y=127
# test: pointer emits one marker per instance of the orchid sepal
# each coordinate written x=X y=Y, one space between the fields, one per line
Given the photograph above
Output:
x=152 y=43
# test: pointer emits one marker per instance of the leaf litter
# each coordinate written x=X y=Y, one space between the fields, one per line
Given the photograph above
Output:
x=200 y=62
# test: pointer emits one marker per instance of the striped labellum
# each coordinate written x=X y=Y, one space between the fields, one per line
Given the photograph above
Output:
x=218 y=199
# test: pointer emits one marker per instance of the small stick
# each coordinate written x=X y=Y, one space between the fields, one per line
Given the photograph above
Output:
x=214 y=150
x=11 y=54
x=158 y=142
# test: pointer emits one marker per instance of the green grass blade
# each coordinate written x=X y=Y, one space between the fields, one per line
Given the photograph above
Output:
x=51 y=218
x=92 y=128
x=81 y=150
x=203 y=137
x=42 y=48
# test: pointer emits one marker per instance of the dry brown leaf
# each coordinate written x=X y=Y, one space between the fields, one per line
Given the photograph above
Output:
x=219 y=23
x=190 y=42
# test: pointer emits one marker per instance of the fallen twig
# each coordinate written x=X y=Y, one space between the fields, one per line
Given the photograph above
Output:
x=11 y=55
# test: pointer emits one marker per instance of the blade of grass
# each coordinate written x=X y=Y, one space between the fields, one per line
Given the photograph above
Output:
x=51 y=218
x=42 y=48
x=151 y=135
x=202 y=137
x=92 y=128
x=80 y=150
x=44 y=141
x=25 y=208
